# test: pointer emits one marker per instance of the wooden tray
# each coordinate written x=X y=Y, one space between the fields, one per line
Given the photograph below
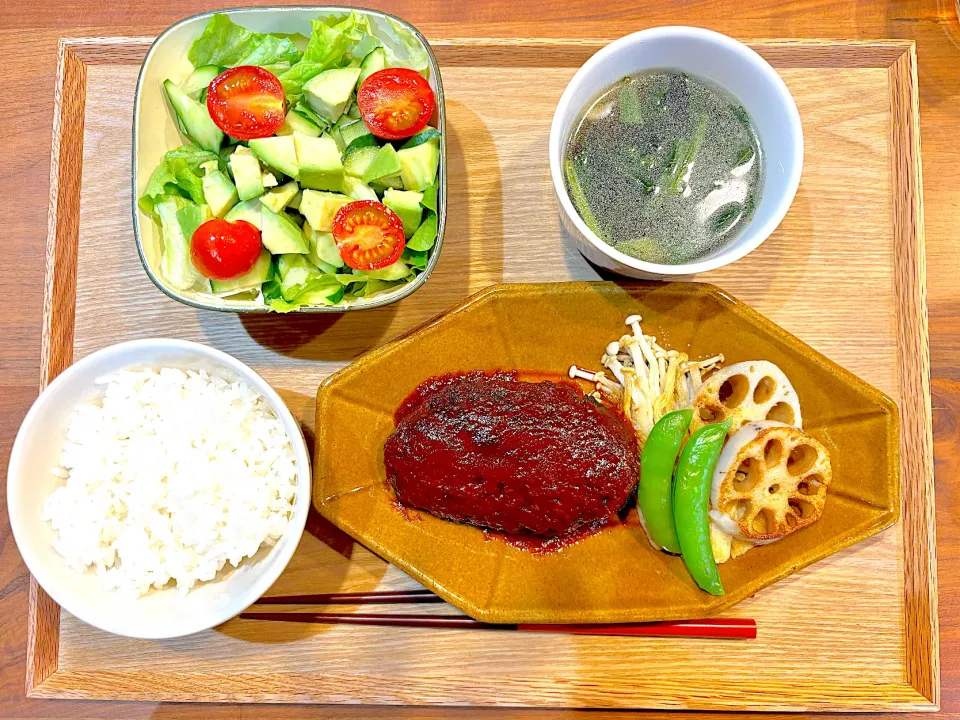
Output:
x=845 y=272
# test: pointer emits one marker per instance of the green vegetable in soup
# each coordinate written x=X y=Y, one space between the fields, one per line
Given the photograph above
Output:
x=579 y=199
x=630 y=113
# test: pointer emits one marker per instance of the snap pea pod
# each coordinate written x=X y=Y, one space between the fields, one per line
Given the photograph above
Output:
x=655 y=493
x=691 y=503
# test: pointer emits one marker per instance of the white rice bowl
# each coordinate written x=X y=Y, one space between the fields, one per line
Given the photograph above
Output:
x=170 y=475
x=35 y=472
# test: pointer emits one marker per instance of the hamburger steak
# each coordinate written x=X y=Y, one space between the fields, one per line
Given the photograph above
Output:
x=518 y=457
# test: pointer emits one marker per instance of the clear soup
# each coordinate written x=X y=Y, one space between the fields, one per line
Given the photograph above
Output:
x=665 y=167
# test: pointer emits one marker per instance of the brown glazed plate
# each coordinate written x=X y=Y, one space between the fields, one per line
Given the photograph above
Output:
x=614 y=575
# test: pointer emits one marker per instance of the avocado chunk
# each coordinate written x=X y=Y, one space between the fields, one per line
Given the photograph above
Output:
x=278 y=152
x=199 y=80
x=276 y=199
x=418 y=165
x=320 y=164
x=319 y=208
x=218 y=191
x=373 y=61
x=406 y=204
x=294 y=203
x=384 y=183
x=385 y=163
x=194 y=120
x=357 y=190
x=358 y=160
x=175 y=263
x=246 y=173
x=329 y=92
x=249 y=210
x=294 y=122
x=256 y=276
x=281 y=234
x=323 y=248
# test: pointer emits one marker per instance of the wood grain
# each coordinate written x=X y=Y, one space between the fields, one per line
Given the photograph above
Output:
x=503 y=227
x=28 y=44
x=919 y=521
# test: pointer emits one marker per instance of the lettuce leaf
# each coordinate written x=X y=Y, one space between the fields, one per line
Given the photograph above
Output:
x=429 y=200
x=333 y=38
x=403 y=47
x=178 y=174
x=227 y=44
x=417 y=259
x=332 y=44
x=425 y=235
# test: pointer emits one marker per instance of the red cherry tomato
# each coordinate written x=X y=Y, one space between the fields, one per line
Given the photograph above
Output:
x=223 y=250
x=246 y=102
x=395 y=103
x=369 y=235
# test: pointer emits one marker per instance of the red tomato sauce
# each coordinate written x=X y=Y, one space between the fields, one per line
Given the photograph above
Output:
x=536 y=461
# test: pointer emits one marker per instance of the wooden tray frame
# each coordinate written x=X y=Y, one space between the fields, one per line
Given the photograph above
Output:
x=922 y=684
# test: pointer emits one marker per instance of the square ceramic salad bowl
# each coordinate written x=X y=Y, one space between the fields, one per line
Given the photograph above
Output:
x=156 y=132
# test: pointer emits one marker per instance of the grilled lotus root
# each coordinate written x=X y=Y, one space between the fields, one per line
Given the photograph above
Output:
x=771 y=479
x=744 y=392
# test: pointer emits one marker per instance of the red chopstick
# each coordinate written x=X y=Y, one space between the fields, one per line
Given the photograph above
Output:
x=721 y=628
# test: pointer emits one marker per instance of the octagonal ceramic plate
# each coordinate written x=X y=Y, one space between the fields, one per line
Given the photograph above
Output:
x=614 y=575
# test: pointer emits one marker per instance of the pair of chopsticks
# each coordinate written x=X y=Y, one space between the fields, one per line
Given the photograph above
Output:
x=717 y=628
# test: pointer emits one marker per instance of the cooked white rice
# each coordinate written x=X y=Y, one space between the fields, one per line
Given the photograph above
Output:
x=169 y=476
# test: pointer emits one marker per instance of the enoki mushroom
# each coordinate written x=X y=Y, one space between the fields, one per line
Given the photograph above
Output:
x=648 y=381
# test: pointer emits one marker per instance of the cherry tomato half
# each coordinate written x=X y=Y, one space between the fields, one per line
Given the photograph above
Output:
x=223 y=250
x=246 y=102
x=395 y=103
x=369 y=235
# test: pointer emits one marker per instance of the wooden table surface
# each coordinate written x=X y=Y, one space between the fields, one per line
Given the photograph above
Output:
x=28 y=49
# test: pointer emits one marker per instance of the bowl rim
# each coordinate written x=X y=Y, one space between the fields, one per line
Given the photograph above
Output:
x=386 y=298
x=728 y=254
x=191 y=623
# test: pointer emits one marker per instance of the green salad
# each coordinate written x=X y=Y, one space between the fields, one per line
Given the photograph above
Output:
x=308 y=175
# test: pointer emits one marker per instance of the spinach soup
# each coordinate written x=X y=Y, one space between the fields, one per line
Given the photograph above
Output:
x=665 y=167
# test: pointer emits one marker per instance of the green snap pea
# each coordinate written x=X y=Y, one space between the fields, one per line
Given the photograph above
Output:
x=655 y=493
x=691 y=503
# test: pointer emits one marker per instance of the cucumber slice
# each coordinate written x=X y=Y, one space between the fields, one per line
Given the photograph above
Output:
x=357 y=162
x=325 y=295
x=261 y=272
x=374 y=61
x=194 y=120
x=295 y=122
x=353 y=130
x=199 y=80
x=425 y=135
